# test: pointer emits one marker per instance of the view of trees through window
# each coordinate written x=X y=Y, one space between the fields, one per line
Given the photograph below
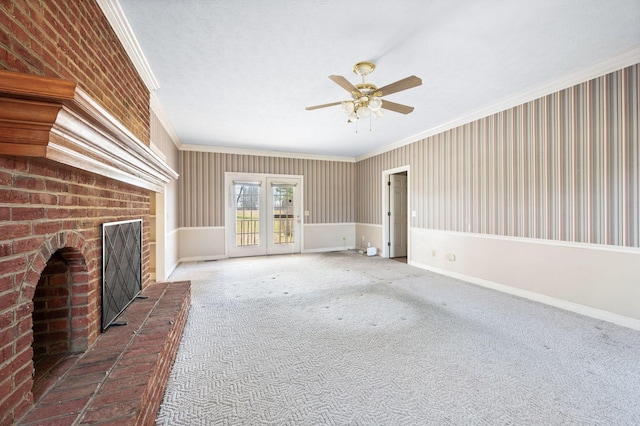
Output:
x=247 y=214
x=283 y=214
x=247 y=201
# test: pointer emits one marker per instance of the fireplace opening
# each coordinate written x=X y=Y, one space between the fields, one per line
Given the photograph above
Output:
x=57 y=341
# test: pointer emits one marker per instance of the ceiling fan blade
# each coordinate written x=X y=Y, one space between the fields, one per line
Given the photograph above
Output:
x=344 y=83
x=392 y=106
x=322 y=106
x=404 y=84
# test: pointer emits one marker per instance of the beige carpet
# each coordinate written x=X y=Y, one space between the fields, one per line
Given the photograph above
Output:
x=340 y=338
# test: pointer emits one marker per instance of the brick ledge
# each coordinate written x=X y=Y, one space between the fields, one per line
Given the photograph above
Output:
x=121 y=379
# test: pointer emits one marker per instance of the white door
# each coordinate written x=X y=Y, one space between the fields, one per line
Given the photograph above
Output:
x=263 y=215
x=246 y=230
x=398 y=215
x=283 y=213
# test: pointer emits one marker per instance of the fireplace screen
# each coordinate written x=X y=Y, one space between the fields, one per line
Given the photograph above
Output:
x=121 y=267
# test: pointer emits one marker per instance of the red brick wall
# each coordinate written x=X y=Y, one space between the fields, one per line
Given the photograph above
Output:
x=51 y=315
x=44 y=207
x=61 y=314
x=72 y=39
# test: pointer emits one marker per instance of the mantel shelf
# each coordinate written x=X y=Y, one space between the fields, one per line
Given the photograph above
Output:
x=53 y=118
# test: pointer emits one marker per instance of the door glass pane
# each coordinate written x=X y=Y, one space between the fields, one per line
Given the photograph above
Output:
x=247 y=199
x=283 y=214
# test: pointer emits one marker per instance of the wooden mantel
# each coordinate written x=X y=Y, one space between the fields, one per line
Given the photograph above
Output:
x=54 y=119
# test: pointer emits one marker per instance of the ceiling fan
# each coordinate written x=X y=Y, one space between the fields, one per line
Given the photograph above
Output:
x=366 y=97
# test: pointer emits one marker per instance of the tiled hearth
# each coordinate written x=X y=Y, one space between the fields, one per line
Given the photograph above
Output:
x=121 y=379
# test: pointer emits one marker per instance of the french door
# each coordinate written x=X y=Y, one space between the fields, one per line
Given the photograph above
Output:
x=263 y=214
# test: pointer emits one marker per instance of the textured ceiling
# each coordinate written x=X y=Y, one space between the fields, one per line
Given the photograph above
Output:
x=239 y=74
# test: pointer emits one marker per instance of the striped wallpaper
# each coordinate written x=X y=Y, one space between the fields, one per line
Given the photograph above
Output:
x=329 y=186
x=162 y=140
x=563 y=167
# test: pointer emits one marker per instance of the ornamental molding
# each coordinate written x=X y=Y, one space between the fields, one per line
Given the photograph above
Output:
x=52 y=118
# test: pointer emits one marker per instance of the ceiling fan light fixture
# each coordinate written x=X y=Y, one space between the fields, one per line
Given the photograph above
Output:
x=366 y=98
x=364 y=112
x=348 y=107
x=375 y=103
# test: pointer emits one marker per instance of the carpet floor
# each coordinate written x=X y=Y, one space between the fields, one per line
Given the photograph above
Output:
x=344 y=339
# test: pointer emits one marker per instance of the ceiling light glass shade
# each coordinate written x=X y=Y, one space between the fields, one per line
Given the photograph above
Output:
x=348 y=107
x=378 y=113
x=364 y=112
x=375 y=103
x=352 y=117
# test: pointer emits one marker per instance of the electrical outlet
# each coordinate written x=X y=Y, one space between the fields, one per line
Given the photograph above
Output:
x=451 y=257
x=433 y=253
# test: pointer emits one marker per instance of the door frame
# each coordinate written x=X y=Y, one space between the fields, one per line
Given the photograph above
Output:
x=229 y=206
x=386 y=232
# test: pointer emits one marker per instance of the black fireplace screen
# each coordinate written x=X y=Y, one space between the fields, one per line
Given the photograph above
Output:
x=121 y=267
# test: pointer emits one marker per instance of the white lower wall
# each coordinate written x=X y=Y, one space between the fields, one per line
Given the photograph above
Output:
x=201 y=243
x=367 y=233
x=328 y=237
x=594 y=280
x=208 y=243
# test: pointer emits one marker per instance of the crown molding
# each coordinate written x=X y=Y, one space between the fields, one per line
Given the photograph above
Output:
x=260 y=153
x=54 y=119
x=615 y=63
x=118 y=21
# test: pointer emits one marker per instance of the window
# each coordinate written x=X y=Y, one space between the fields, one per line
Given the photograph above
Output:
x=283 y=214
x=247 y=209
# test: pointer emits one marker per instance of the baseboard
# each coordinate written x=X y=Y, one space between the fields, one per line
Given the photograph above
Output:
x=202 y=258
x=326 y=249
x=620 y=320
x=172 y=268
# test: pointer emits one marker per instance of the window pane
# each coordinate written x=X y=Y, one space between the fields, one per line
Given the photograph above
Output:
x=283 y=214
x=247 y=199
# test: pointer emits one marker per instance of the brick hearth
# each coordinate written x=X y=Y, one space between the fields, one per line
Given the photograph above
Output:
x=121 y=379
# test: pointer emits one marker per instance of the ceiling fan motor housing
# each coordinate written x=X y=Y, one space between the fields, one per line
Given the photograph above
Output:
x=367 y=89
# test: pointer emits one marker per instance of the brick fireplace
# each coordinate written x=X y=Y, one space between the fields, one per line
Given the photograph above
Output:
x=74 y=153
x=66 y=167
